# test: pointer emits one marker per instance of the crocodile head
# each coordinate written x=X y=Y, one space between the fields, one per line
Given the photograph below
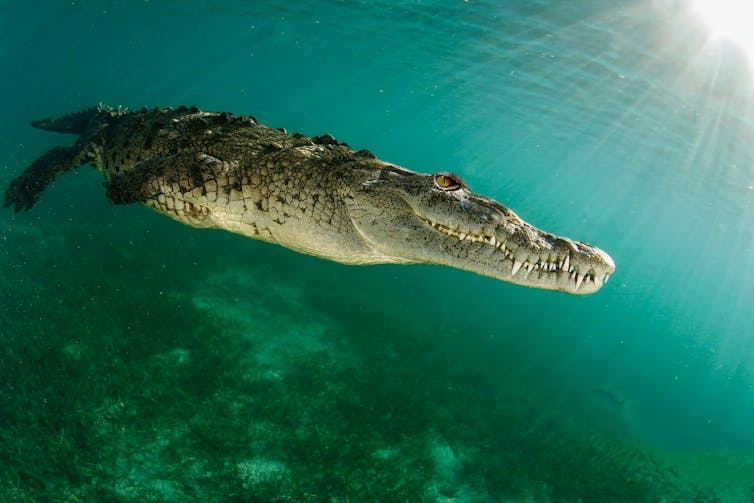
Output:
x=421 y=218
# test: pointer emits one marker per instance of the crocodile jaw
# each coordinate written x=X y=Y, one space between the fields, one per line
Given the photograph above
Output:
x=545 y=261
x=407 y=216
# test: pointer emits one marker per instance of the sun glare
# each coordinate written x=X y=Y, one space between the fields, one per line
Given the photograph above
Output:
x=732 y=20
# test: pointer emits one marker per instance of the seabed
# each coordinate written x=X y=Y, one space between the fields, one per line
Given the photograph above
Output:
x=204 y=382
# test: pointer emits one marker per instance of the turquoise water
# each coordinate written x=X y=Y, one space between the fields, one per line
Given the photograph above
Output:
x=145 y=360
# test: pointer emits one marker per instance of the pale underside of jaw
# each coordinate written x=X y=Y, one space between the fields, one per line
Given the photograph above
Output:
x=546 y=266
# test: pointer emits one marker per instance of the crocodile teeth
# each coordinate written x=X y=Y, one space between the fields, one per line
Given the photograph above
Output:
x=516 y=266
x=529 y=266
x=579 y=280
x=567 y=262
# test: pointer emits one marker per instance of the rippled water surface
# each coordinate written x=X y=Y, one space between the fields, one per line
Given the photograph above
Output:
x=144 y=360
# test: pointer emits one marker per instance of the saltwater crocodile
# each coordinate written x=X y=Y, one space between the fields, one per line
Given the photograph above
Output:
x=313 y=195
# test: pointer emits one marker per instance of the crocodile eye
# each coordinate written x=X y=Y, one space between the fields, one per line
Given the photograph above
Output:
x=447 y=181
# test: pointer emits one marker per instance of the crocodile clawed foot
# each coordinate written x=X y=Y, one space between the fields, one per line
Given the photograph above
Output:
x=23 y=193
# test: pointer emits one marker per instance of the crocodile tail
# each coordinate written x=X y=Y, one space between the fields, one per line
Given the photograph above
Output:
x=75 y=123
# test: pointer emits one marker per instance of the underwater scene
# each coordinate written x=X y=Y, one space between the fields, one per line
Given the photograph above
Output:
x=147 y=360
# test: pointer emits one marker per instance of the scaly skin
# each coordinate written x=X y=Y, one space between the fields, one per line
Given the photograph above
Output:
x=313 y=195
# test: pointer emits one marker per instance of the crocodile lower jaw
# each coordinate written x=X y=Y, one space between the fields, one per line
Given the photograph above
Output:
x=549 y=263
